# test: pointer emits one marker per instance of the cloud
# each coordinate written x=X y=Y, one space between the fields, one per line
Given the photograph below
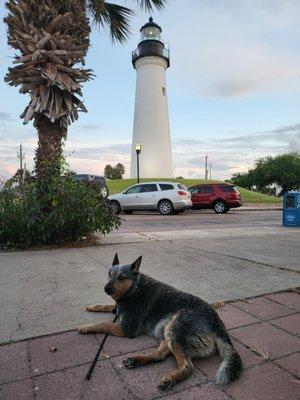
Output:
x=90 y=127
x=232 y=153
x=96 y=153
x=286 y=129
x=5 y=117
x=236 y=48
x=247 y=68
x=282 y=139
x=227 y=155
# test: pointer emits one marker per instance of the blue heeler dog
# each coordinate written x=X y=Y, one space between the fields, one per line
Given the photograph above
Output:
x=186 y=326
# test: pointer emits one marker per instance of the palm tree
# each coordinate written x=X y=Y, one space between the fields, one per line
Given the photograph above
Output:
x=52 y=37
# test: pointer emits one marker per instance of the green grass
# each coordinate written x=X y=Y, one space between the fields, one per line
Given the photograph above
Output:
x=118 y=185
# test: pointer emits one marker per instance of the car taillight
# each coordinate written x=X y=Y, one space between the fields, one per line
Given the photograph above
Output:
x=182 y=193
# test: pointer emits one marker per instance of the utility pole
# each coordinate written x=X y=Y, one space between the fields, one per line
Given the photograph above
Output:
x=21 y=157
x=205 y=176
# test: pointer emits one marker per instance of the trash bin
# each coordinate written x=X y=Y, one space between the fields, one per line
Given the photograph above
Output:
x=291 y=209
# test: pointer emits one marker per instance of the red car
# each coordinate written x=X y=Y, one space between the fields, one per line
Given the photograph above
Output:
x=218 y=196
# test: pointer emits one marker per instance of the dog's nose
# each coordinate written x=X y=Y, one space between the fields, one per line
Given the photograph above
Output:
x=108 y=289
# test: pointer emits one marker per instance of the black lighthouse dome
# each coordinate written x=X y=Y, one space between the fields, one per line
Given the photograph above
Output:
x=151 y=43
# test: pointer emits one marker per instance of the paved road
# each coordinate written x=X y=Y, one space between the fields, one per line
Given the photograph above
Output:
x=199 y=219
x=217 y=257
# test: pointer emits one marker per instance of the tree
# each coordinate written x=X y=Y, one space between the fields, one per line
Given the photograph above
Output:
x=243 y=179
x=283 y=170
x=2 y=182
x=120 y=170
x=52 y=37
x=108 y=172
x=115 y=172
x=21 y=176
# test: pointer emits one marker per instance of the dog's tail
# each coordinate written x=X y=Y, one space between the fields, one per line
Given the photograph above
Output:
x=231 y=366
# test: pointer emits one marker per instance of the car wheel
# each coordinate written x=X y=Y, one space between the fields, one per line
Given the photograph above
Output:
x=220 y=207
x=104 y=191
x=165 y=207
x=115 y=206
x=128 y=211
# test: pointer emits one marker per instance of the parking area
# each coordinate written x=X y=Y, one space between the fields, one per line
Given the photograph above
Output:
x=204 y=219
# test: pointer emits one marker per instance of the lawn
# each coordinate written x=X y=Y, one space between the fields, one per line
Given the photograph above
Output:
x=118 y=185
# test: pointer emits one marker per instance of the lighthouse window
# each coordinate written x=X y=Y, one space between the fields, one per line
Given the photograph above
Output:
x=150 y=33
x=163 y=91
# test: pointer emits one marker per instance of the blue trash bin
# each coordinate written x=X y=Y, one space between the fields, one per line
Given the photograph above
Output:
x=291 y=209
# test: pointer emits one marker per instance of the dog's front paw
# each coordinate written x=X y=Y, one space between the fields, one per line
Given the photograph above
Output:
x=91 y=308
x=84 y=329
x=166 y=383
x=130 y=363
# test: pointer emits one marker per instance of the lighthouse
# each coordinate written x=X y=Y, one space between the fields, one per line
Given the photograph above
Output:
x=151 y=118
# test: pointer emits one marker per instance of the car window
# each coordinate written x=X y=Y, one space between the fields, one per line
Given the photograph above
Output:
x=181 y=186
x=134 y=189
x=228 y=188
x=166 y=186
x=193 y=190
x=205 y=189
x=80 y=177
x=150 y=187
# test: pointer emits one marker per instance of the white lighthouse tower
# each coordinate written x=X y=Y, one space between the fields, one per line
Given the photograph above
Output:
x=151 y=117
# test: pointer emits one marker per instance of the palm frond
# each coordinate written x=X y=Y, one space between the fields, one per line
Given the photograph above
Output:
x=114 y=17
x=150 y=5
x=52 y=37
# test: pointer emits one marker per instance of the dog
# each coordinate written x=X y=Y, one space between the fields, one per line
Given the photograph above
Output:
x=186 y=325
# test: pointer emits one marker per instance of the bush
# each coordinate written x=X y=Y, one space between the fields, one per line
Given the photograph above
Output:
x=59 y=211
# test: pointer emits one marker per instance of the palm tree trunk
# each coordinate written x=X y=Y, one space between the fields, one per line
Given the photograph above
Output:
x=48 y=155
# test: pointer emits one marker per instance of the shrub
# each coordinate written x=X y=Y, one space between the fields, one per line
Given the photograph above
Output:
x=55 y=212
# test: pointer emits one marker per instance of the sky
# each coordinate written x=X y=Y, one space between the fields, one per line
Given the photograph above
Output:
x=233 y=90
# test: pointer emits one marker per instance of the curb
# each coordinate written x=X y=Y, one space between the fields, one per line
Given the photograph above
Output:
x=256 y=209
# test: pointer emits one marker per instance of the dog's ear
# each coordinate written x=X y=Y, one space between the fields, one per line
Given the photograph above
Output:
x=135 y=266
x=116 y=260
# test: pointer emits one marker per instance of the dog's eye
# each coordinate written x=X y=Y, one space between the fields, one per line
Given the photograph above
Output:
x=121 y=278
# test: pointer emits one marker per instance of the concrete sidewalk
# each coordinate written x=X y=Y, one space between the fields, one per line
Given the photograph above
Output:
x=265 y=331
x=42 y=292
x=118 y=237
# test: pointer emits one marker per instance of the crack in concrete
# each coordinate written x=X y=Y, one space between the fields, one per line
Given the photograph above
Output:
x=245 y=259
x=19 y=324
x=25 y=308
x=93 y=258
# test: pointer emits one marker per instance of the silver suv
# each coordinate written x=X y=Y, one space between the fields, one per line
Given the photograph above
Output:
x=165 y=197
